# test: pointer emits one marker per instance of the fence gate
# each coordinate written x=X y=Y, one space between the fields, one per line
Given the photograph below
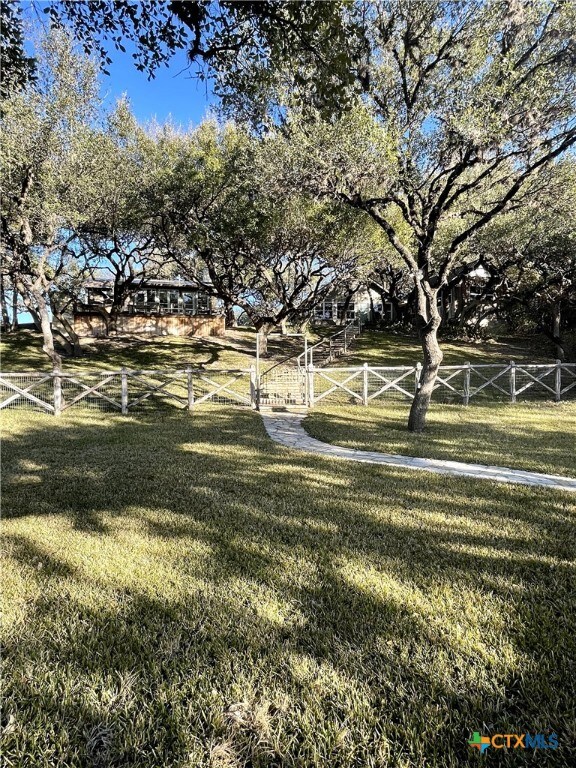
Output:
x=283 y=385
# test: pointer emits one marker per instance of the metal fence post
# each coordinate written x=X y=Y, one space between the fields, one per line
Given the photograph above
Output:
x=467 y=384
x=311 y=386
x=512 y=381
x=57 y=383
x=417 y=374
x=558 y=381
x=124 y=378
x=253 y=388
x=365 y=385
x=190 y=388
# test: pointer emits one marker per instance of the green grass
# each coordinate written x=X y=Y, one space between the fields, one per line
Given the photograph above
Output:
x=180 y=591
x=535 y=436
x=23 y=352
x=383 y=348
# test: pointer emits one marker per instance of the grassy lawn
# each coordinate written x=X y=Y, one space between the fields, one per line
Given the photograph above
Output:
x=382 y=348
x=23 y=352
x=180 y=591
x=536 y=436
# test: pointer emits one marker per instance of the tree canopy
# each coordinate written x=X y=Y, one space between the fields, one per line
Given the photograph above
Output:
x=454 y=108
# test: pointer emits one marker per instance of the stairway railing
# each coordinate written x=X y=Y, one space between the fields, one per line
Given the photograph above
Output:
x=339 y=340
x=283 y=383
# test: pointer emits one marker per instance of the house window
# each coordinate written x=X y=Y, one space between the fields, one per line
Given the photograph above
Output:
x=189 y=302
x=323 y=311
x=163 y=300
x=203 y=307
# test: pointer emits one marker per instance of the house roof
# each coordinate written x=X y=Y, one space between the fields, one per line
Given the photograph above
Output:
x=143 y=283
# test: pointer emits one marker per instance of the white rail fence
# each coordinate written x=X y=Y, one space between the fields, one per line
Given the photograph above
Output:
x=455 y=383
x=328 y=349
x=129 y=391
x=126 y=390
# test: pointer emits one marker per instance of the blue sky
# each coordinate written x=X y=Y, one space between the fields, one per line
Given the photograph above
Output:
x=173 y=92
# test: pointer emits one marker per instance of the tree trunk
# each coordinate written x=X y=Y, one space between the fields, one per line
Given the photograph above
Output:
x=347 y=302
x=67 y=334
x=428 y=321
x=372 y=308
x=63 y=342
x=557 y=331
x=46 y=324
x=36 y=303
x=35 y=318
x=5 y=316
x=264 y=331
x=15 y=308
x=229 y=315
x=106 y=318
x=304 y=326
x=112 y=327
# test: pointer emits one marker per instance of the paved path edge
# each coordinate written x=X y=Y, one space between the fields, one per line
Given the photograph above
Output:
x=286 y=428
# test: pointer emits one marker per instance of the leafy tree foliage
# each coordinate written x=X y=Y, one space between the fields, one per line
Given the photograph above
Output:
x=259 y=245
x=460 y=105
x=223 y=34
x=75 y=195
x=17 y=68
x=41 y=165
x=121 y=238
x=529 y=255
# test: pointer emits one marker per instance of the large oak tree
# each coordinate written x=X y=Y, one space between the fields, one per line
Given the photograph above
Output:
x=257 y=244
x=455 y=108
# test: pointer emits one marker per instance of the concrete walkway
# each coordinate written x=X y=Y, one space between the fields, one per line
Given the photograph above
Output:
x=286 y=428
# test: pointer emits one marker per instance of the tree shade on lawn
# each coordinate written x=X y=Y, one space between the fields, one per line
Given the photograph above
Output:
x=182 y=591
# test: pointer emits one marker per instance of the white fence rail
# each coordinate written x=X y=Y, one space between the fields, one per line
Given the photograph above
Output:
x=330 y=348
x=455 y=383
x=127 y=390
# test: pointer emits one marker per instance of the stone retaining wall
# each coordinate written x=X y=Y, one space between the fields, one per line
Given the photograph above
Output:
x=92 y=324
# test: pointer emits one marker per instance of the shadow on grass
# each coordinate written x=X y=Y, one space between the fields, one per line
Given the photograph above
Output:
x=197 y=595
x=385 y=348
x=22 y=351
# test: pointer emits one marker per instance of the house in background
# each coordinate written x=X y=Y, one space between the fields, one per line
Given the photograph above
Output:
x=340 y=309
x=467 y=290
x=152 y=307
